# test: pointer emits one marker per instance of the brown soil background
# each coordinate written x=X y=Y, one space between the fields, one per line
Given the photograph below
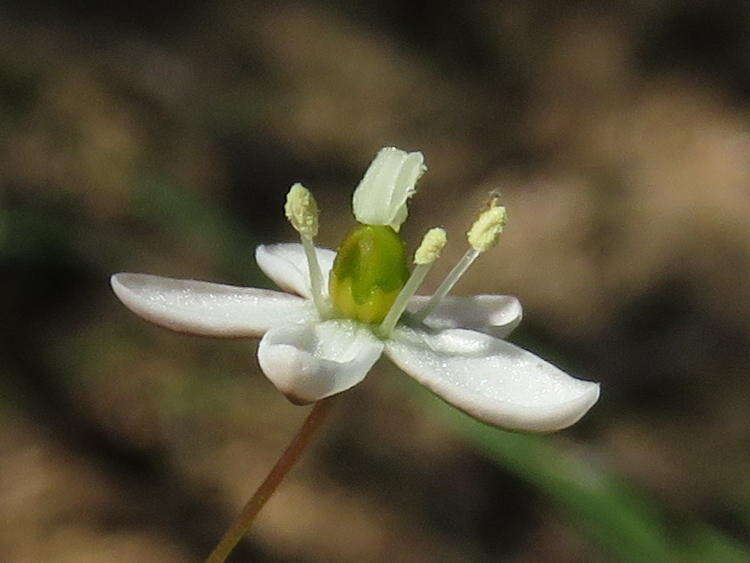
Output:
x=156 y=138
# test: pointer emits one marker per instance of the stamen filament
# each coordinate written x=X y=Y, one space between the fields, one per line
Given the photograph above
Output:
x=429 y=251
x=402 y=300
x=316 y=277
x=448 y=283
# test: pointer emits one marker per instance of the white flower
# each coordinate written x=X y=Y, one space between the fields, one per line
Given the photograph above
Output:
x=454 y=347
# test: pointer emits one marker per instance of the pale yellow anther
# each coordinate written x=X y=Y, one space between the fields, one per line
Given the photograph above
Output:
x=302 y=211
x=432 y=243
x=487 y=228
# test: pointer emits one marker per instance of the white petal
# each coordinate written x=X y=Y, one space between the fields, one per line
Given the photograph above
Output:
x=209 y=309
x=380 y=198
x=286 y=265
x=491 y=379
x=496 y=315
x=308 y=363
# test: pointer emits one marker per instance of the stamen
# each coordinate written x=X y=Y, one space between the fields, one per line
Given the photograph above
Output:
x=302 y=211
x=448 y=283
x=429 y=251
x=483 y=234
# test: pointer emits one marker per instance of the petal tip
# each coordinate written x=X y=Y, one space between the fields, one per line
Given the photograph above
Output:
x=279 y=361
x=570 y=412
x=118 y=283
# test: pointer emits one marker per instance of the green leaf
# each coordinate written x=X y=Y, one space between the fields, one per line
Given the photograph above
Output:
x=620 y=520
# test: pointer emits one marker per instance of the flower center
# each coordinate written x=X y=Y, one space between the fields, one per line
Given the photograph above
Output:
x=369 y=271
x=370 y=280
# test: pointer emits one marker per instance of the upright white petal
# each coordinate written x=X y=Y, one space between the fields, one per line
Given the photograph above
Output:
x=286 y=265
x=209 y=309
x=380 y=198
x=496 y=315
x=491 y=379
x=309 y=363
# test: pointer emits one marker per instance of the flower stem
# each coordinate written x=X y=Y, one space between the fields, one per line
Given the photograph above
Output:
x=285 y=463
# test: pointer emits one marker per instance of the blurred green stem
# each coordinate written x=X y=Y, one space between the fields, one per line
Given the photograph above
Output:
x=285 y=463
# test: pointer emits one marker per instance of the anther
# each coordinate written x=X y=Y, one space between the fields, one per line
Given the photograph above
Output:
x=432 y=244
x=302 y=211
x=486 y=230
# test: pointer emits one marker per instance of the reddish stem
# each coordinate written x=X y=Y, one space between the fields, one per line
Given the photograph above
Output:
x=285 y=463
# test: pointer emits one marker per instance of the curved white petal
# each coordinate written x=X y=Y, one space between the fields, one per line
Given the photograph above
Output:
x=380 y=198
x=209 y=309
x=491 y=379
x=308 y=363
x=286 y=265
x=496 y=315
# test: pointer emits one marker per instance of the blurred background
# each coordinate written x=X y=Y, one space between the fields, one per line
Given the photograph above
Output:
x=162 y=137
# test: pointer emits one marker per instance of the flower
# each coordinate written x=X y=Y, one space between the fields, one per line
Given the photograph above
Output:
x=338 y=313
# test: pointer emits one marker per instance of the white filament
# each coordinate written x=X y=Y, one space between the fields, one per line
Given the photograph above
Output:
x=429 y=251
x=402 y=299
x=448 y=283
x=316 y=278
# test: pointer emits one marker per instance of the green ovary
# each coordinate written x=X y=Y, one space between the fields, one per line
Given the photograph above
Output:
x=369 y=271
